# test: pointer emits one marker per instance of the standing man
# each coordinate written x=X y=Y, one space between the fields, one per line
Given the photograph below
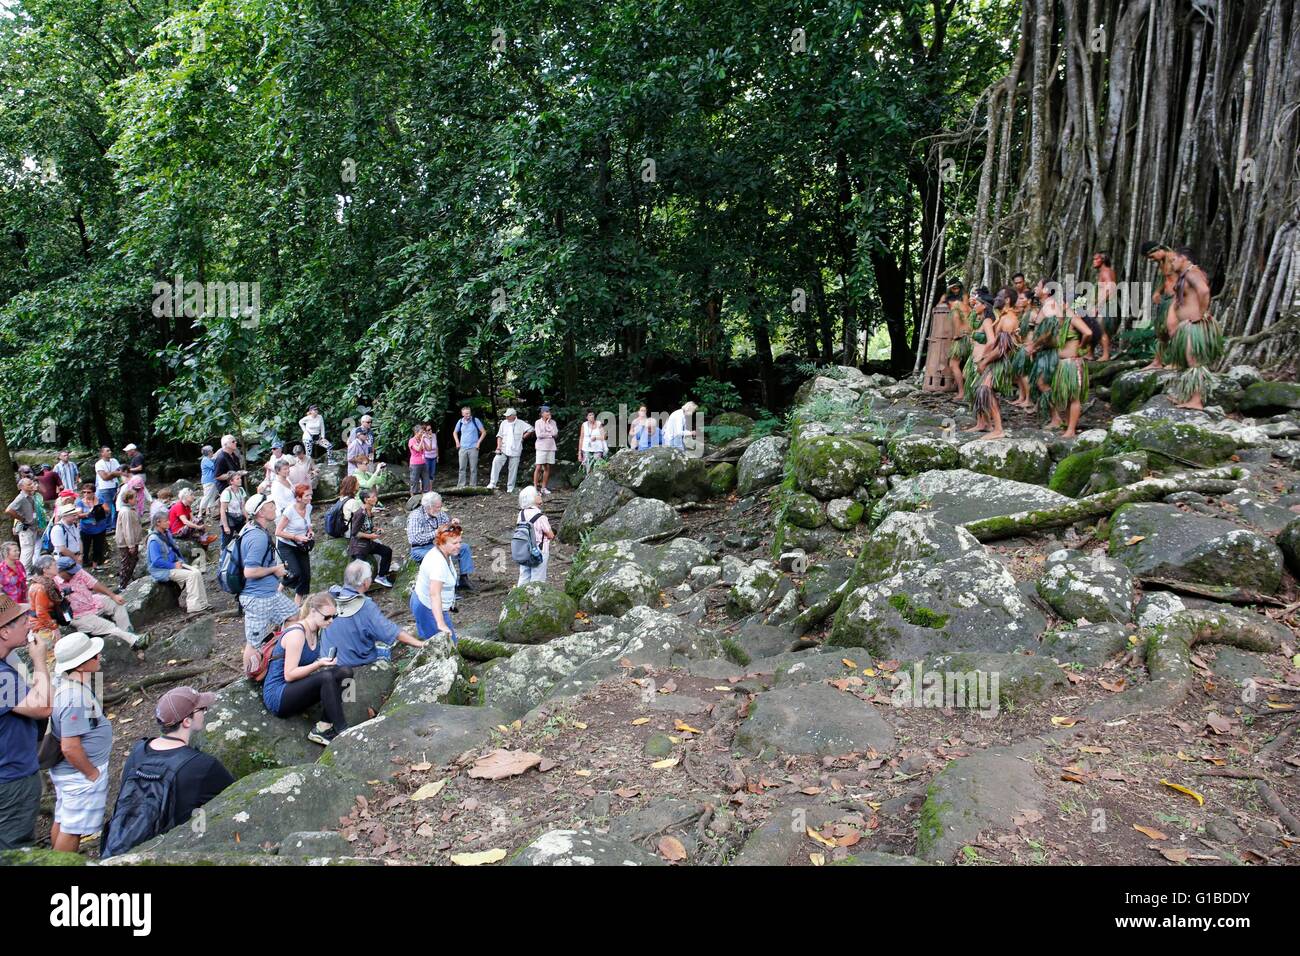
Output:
x=134 y=460
x=361 y=444
x=510 y=448
x=67 y=470
x=265 y=607
x=227 y=462
x=1162 y=322
x=1197 y=341
x=675 y=431
x=85 y=734
x=468 y=434
x=23 y=708
x=23 y=510
x=1107 y=304
x=107 y=472
x=546 y=430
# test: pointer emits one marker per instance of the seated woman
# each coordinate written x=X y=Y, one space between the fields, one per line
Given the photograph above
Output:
x=434 y=594
x=364 y=539
x=300 y=676
x=423 y=524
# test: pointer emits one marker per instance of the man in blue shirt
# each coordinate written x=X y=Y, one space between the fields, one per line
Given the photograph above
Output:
x=361 y=634
x=468 y=434
x=166 y=564
x=24 y=704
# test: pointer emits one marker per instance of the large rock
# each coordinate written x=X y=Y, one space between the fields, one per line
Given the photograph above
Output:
x=828 y=466
x=762 y=464
x=1073 y=473
x=597 y=499
x=619 y=589
x=722 y=478
x=412 y=733
x=812 y=719
x=667 y=564
x=638 y=519
x=665 y=473
x=246 y=737
x=1169 y=441
x=906 y=539
x=583 y=848
x=961 y=496
x=264 y=808
x=1133 y=388
x=1017 y=459
x=571 y=664
x=1116 y=471
x=1169 y=543
x=1266 y=398
x=914 y=454
x=1091 y=645
x=803 y=510
x=535 y=612
x=1088 y=587
x=436 y=674
x=753 y=589
x=149 y=601
x=1289 y=541
x=983 y=681
x=982 y=792
x=329 y=558
x=191 y=643
x=844 y=513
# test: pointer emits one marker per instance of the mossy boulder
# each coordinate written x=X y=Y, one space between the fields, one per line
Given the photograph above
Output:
x=150 y=602
x=906 y=539
x=619 y=589
x=914 y=454
x=828 y=466
x=1088 y=587
x=960 y=496
x=984 y=681
x=381 y=748
x=1017 y=459
x=639 y=518
x=534 y=613
x=803 y=510
x=722 y=478
x=597 y=499
x=1072 y=474
x=1090 y=646
x=1168 y=442
x=665 y=473
x=753 y=589
x=1289 y=541
x=982 y=793
x=1134 y=388
x=762 y=464
x=844 y=513
x=1267 y=398
x=329 y=558
x=1116 y=471
x=594 y=558
x=736 y=424
x=40 y=856
x=813 y=719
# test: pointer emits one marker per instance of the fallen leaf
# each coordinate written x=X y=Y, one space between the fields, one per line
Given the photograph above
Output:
x=1065 y=721
x=850 y=838
x=1218 y=723
x=1114 y=686
x=1026 y=816
x=1175 y=854
x=847 y=663
x=1181 y=789
x=640 y=720
x=1094 y=750
x=429 y=790
x=813 y=834
x=478 y=859
x=1151 y=832
x=420 y=767
x=671 y=849
x=580 y=725
x=500 y=764
x=1135 y=539
x=424 y=830
x=817 y=859
x=685 y=727
x=666 y=763
x=582 y=773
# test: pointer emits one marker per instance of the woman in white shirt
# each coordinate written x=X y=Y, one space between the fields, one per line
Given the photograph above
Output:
x=313 y=431
x=434 y=594
x=542 y=535
x=294 y=538
x=281 y=489
x=592 y=443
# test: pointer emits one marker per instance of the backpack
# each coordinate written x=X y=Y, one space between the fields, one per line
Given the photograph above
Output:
x=334 y=526
x=523 y=547
x=265 y=653
x=46 y=545
x=146 y=804
x=230 y=569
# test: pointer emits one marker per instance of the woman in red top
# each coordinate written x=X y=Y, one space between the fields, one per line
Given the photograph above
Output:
x=13 y=576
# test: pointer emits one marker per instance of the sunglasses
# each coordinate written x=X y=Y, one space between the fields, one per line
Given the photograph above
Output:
x=329 y=617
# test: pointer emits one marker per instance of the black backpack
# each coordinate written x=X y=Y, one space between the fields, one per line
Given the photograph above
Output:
x=146 y=803
x=334 y=526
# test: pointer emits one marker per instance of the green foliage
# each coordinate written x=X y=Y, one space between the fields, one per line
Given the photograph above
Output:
x=714 y=396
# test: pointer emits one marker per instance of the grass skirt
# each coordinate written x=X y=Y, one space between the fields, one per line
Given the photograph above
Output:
x=1192 y=381
x=1160 y=322
x=1070 y=383
x=1022 y=362
x=960 y=349
x=1203 y=339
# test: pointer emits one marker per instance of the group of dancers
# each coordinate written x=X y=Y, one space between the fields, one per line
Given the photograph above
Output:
x=1028 y=345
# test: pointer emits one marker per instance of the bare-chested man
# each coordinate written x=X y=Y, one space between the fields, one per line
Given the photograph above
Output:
x=1197 y=341
x=959 y=308
x=1107 y=301
x=1163 y=321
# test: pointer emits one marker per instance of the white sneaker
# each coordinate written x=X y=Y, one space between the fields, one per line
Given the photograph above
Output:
x=546 y=491
x=384 y=582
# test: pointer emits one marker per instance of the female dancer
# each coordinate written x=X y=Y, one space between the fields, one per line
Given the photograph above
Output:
x=1070 y=383
x=1043 y=350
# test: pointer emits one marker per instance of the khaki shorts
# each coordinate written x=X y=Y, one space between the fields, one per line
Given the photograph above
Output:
x=546 y=458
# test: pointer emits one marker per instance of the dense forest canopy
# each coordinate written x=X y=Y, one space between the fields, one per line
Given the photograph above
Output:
x=409 y=204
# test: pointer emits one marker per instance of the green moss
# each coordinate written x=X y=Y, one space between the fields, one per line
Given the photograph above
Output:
x=734 y=652
x=38 y=856
x=1173 y=443
x=915 y=614
x=1072 y=474
x=929 y=822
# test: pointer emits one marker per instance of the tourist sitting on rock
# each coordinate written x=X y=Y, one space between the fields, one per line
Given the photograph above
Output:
x=197 y=777
x=265 y=606
x=165 y=564
x=65 y=535
x=362 y=634
x=127 y=538
x=49 y=608
x=94 y=527
x=365 y=476
x=85 y=737
x=531 y=512
x=434 y=594
x=24 y=704
x=161 y=504
x=301 y=676
x=422 y=526
x=675 y=430
x=363 y=539
x=95 y=609
x=181 y=523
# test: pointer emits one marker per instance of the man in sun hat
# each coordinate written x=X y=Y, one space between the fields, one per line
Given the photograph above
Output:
x=24 y=705
x=196 y=777
x=86 y=739
x=65 y=535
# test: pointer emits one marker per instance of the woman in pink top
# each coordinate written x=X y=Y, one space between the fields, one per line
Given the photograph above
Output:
x=419 y=445
x=545 y=429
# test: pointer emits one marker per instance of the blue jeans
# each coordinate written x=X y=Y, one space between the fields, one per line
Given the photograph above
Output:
x=425 y=625
x=108 y=498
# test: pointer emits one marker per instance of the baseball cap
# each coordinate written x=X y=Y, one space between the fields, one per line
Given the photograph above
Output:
x=75 y=649
x=546 y=408
x=510 y=413
x=179 y=703
x=130 y=447
x=253 y=503
x=10 y=610
x=66 y=563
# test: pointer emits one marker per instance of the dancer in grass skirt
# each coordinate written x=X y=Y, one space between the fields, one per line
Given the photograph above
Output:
x=1023 y=361
x=984 y=319
x=1197 y=343
x=960 y=350
x=1070 y=381
x=1163 y=323
x=993 y=370
x=1042 y=349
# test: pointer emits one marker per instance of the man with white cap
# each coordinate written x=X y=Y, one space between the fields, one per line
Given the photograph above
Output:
x=85 y=737
x=95 y=609
x=166 y=564
x=196 y=777
x=134 y=461
x=24 y=705
x=510 y=448
x=107 y=472
x=65 y=535
x=265 y=606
